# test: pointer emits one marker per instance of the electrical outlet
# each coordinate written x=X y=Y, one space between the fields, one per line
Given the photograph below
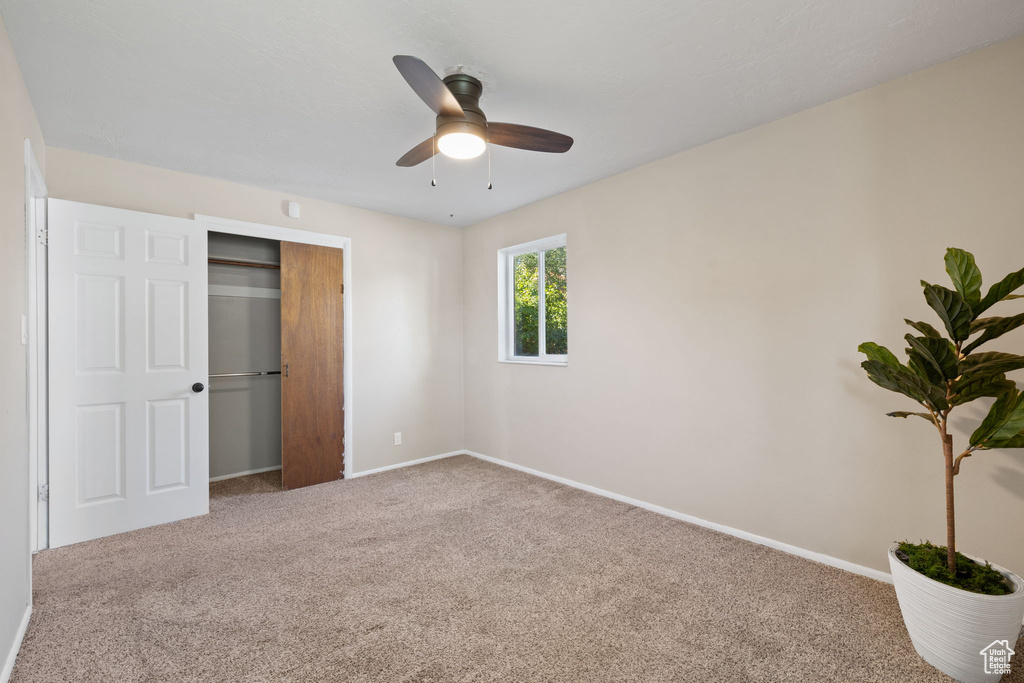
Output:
x=398 y=438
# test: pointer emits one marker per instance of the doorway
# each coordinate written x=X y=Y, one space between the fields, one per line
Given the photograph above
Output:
x=245 y=356
x=307 y=262
x=276 y=324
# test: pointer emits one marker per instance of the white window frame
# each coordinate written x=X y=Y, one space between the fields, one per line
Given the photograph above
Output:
x=506 y=307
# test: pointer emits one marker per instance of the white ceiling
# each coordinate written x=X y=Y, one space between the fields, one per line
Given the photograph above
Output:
x=301 y=96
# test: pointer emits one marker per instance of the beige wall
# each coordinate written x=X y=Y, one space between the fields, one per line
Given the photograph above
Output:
x=406 y=294
x=717 y=298
x=17 y=122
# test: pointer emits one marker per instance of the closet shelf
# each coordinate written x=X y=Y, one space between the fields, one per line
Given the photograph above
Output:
x=243 y=262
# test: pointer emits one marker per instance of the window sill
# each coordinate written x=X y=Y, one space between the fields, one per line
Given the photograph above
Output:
x=559 y=363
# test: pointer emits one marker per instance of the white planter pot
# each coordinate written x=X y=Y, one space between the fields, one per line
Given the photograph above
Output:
x=949 y=626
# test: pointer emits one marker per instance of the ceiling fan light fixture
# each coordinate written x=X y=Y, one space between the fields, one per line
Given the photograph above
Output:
x=461 y=145
x=462 y=131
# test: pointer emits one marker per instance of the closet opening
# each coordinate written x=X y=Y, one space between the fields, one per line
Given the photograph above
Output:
x=276 y=351
x=245 y=364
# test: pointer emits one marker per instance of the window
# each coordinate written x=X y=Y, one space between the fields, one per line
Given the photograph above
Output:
x=533 y=303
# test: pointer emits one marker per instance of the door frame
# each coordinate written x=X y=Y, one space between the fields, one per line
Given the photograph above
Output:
x=36 y=379
x=273 y=232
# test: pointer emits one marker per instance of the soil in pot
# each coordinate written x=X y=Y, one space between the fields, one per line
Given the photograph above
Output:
x=930 y=560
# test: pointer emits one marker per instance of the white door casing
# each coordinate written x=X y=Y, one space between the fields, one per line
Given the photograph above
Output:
x=35 y=340
x=129 y=438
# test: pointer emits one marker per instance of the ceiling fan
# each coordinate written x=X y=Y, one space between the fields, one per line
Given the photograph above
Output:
x=462 y=129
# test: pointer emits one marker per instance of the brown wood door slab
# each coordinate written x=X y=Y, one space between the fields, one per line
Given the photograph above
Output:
x=312 y=401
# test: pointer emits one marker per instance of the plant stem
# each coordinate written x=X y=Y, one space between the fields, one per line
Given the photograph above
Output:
x=965 y=454
x=951 y=469
x=947 y=451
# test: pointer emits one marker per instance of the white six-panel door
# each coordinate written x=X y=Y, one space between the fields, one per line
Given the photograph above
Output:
x=129 y=443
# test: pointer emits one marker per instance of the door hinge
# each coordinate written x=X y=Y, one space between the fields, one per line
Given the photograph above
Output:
x=44 y=236
x=44 y=493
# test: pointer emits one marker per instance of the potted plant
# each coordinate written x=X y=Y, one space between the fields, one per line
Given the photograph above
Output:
x=953 y=605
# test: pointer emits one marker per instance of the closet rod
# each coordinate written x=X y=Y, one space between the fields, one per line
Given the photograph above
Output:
x=239 y=262
x=247 y=374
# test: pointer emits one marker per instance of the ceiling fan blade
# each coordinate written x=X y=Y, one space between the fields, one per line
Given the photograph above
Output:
x=418 y=154
x=527 y=137
x=428 y=86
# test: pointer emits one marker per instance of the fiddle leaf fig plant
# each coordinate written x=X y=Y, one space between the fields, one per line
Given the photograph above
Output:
x=946 y=371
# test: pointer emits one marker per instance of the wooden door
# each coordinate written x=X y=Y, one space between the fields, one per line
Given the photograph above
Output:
x=312 y=401
x=129 y=417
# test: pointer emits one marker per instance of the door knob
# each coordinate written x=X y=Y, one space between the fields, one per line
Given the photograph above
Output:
x=198 y=387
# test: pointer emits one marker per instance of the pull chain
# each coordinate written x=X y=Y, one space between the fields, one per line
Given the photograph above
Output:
x=433 y=163
x=489 y=186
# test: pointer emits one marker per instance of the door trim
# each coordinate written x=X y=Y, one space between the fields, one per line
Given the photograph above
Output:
x=35 y=351
x=273 y=232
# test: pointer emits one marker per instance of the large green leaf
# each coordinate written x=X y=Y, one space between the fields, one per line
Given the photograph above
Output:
x=922 y=368
x=924 y=328
x=964 y=273
x=1001 y=290
x=996 y=329
x=953 y=310
x=906 y=414
x=877 y=352
x=1013 y=442
x=1004 y=421
x=967 y=390
x=988 y=364
x=937 y=355
x=1013 y=426
x=997 y=414
x=903 y=381
x=983 y=323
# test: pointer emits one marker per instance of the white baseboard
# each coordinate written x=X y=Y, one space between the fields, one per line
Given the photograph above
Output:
x=738 y=533
x=5 y=673
x=244 y=474
x=409 y=463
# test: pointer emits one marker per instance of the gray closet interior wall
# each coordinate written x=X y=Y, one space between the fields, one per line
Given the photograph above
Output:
x=245 y=336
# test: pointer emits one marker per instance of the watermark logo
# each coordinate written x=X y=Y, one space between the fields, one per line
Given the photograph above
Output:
x=997 y=657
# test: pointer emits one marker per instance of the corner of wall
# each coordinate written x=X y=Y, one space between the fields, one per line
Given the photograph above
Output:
x=18 y=122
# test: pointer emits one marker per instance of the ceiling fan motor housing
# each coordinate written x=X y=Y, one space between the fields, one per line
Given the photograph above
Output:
x=467 y=91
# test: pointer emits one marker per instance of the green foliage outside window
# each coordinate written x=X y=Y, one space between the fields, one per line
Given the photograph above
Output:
x=556 y=330
x=526 y=299
x=526 y=303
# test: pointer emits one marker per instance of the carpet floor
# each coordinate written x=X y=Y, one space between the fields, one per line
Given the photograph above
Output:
x=455 y=570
